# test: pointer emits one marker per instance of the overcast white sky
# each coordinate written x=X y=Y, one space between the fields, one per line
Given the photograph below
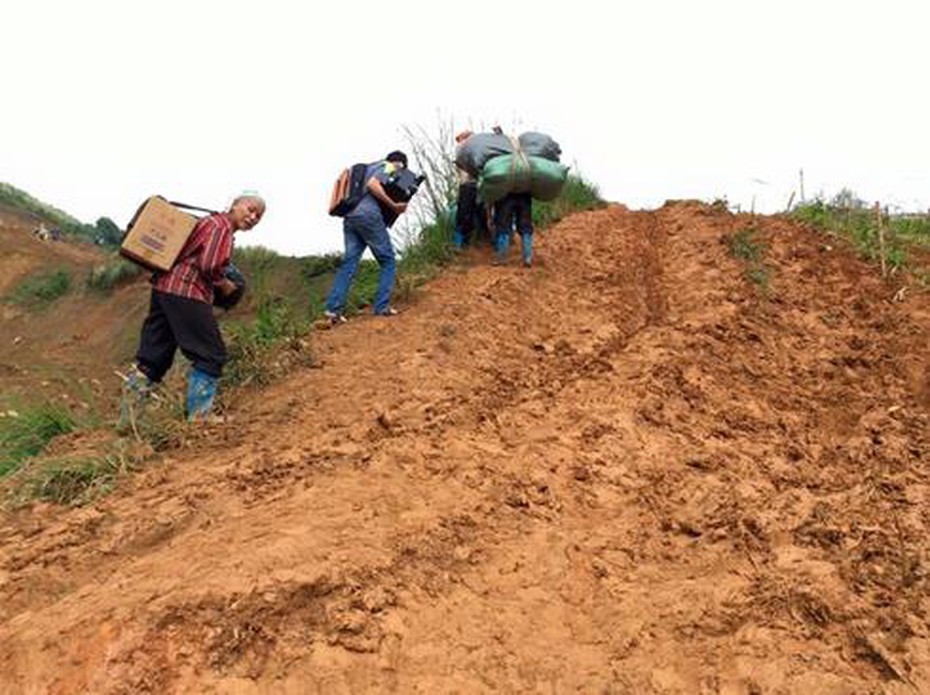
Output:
x=105 y=103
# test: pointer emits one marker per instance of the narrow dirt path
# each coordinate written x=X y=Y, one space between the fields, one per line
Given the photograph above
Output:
x=627 y=470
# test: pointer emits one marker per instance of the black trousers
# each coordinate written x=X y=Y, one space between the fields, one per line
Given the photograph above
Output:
x=178 y=322
x=514 y=209
x=470 y=213
x=466 y=209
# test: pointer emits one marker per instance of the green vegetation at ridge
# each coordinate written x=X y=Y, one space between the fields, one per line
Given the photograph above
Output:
x=847 y=216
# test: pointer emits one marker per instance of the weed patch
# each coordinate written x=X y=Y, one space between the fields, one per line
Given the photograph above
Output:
x=74 y=480
x=25 y=434
x=252 y=344
x=39 y=291
x=106 y=277
x=744 y=245
x=577 y=194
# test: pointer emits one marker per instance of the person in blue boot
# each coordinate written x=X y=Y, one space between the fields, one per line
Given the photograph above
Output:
x=181 y=313
x=513 y=211
x=364 y=227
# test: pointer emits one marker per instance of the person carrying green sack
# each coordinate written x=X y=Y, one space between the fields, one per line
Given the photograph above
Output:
x=513 y=212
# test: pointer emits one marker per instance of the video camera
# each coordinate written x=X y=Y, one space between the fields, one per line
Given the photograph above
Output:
x=400 y=187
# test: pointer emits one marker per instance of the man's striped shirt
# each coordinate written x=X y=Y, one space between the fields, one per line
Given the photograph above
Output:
x=202 y=260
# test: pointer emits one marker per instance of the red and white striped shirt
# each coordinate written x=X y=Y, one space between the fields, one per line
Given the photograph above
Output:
x=201 y=262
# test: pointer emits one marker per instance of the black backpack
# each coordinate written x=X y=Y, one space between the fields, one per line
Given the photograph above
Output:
x=348 y=190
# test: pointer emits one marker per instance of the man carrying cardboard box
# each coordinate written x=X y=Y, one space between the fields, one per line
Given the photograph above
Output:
x=181 y=312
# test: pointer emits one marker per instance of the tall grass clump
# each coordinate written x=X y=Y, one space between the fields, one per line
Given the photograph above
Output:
x=77 y=478
x=26 y=434
x=577 y=194
x=104 y=278
x=39 y=291
x=71 y=481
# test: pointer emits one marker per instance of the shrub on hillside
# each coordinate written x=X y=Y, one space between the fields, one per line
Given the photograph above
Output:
x=107 y=276
x=41 y=290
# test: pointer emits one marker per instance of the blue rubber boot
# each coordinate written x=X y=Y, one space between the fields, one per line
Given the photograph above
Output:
x=501 y=247
x=526 y=245
x=201 y=389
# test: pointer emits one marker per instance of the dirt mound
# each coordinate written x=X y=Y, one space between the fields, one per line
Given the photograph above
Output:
x=632 y=469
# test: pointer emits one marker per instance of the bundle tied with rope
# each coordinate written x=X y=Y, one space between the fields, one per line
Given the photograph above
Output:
x=504 y=165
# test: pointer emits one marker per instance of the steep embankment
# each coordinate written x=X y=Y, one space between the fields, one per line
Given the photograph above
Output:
x=625 y=470
x=64 y=351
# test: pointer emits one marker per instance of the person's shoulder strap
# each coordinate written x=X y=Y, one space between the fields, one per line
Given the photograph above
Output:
x=192 y=207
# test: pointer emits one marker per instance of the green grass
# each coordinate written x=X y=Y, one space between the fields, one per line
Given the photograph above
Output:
x=39 y=291
x=313 y=267
x=744 y=246
x=251 y=344
x=848 y=217
x=577 y=194
x=115 y=272
x=257 y=264
x=70 y=481
x=27 y=433
x=73 y=480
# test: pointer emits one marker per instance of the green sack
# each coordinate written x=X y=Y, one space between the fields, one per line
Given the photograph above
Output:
x=502 y=175
x=546 y=178
x=517 y=173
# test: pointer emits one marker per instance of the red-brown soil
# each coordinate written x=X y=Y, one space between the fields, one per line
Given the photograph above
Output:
x=64 y=353
x=626 y=470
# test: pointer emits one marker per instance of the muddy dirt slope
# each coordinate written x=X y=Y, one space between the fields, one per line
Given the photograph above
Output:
x=630 y=469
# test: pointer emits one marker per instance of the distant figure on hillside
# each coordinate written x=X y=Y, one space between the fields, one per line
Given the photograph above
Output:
x=364 y=227
x=40 y=232
x=181 y=313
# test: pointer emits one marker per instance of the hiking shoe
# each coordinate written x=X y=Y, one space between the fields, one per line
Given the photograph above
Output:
x=334 y=318
x=390 y=311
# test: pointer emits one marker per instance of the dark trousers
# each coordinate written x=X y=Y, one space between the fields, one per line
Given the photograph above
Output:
x=514 y=209
x=178 y=322
x=466 y=209
x=470 y=214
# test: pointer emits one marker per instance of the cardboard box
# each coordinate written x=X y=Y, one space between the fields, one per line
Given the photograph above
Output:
x=157 y=234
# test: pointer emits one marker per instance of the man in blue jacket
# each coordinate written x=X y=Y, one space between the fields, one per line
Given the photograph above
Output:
x=364 y=227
